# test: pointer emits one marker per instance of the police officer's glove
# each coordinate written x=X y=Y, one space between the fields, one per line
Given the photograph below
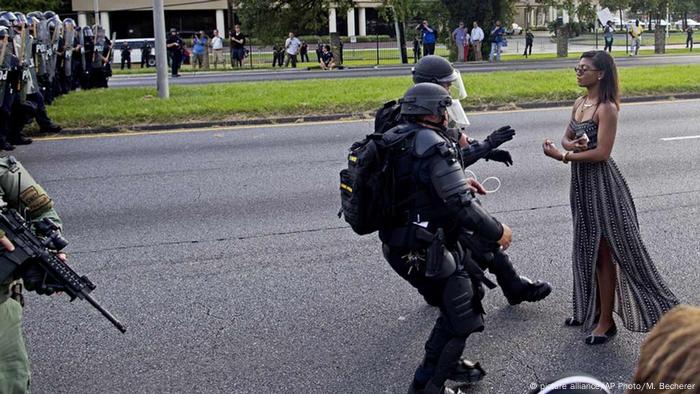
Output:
x=500 y=155
x=500 y=136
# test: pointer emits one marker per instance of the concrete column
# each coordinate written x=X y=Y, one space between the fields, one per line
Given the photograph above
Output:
x=332 y=26
x=363 y=22
x=552 y=14
x=104 y=21
x=565 y=16
x=82 y=19
x=351 y=22
x=220 y=24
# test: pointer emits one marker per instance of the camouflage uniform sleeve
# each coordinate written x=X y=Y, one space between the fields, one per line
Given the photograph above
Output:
x=19 y=190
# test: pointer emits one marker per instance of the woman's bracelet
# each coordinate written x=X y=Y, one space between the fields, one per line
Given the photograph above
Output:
x=563 y=158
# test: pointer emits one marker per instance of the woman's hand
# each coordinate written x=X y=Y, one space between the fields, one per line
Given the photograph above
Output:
x=551 y=150
x=506 y=238
x=580 y=144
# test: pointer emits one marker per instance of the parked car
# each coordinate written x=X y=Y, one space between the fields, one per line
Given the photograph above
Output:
x=136 y=44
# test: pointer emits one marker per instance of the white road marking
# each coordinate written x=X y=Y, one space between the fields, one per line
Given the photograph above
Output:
x=687 y=137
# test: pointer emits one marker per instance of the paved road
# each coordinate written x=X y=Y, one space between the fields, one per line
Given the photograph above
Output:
x=222 y=253
x=384 y=71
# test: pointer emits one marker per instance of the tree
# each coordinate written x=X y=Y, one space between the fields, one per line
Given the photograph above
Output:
x=269 y=21
x=685 y=7
x=32 y=5
x=616 y=5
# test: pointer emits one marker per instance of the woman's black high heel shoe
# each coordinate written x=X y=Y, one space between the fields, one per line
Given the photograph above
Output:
x=599 y=340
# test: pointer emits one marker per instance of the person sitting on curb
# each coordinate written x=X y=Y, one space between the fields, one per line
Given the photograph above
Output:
x=327 y=60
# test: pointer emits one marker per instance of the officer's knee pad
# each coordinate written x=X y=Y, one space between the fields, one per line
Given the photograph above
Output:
x=462 y=306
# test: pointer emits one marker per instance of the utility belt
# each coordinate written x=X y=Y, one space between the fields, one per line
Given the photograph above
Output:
x=430 y=255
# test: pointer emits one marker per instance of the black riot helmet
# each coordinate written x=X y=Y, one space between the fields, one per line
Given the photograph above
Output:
x=4 y=32
x=435 y=69
x=69 y=23
x=4 y=22
x=21 y=20
x=49 y=14
x=37 y=14
x=425 y=99
x=11 y=17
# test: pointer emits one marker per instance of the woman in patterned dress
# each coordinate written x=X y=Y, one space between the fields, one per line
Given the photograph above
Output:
x=612 y=269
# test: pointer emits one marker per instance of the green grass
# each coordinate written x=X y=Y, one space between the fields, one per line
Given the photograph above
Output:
x=131 y=106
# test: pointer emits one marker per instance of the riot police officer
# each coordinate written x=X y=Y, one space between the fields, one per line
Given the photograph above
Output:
x=17 y=189
x=425 y=242
x=30 y=105
x=437 y=70
x=100 y=58
x=9 y=86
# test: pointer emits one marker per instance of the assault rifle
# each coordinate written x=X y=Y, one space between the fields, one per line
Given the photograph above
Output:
x=35 y=258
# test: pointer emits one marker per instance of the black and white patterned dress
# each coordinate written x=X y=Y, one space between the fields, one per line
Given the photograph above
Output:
x=602 y=206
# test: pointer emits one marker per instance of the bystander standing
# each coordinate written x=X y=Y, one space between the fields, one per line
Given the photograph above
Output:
x=291 y=46
x=529 y=40
x=429 y=37
x=496 y=39
x=608 y=35
x=477 y=37
x=636 y=33
x=238 y=41
x=460 y=36
x=217 y=48
x=199 y=44
x=689 y=38
x=304 y=51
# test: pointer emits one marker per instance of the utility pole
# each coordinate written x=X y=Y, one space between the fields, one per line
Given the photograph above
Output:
x=96 y=6
x=161 y=57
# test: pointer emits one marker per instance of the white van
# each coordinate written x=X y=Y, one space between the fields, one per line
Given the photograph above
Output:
x=136 y=44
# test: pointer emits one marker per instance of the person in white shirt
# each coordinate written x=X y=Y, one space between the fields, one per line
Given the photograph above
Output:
x=292 y=46
x=476 y=38
x=217 y=46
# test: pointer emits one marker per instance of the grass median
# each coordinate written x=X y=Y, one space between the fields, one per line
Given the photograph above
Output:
x=217 y=102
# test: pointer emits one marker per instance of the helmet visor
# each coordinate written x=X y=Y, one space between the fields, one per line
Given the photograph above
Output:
x=456 y=113
x=456 y=85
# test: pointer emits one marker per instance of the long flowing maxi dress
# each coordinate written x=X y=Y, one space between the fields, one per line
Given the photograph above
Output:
x=602 y=207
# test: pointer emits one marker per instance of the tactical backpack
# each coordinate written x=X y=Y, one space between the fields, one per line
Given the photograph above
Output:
x=365 y=195
x=388 y=117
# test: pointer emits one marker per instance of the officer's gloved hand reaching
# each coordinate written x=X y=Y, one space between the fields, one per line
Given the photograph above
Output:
x=500 y=136
x=500 y=155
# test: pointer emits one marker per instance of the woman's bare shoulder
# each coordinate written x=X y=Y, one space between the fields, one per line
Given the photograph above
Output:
x=608 y=108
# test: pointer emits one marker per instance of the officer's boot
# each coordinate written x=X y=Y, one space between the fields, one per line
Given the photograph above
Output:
x=445 y=367
x=516 y=288
x=439 y=336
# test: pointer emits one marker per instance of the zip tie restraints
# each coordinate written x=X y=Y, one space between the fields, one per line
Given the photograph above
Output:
x=471 y=174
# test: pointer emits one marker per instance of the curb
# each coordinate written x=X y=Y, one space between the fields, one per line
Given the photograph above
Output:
x=368 y=115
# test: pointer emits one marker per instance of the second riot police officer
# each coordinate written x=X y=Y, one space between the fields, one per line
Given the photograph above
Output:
x=425 y=242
